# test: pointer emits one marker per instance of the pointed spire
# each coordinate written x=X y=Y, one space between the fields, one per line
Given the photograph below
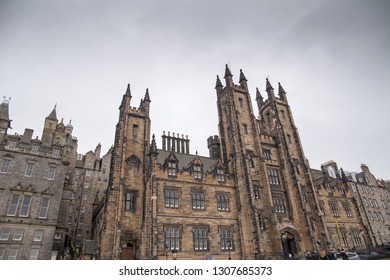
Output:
x=282 y=93
x=153 y=146
x=242 y=76
x=268 y=85
x=128 y=92
x=269 y=89
x=343 y=176
x=53 y=114
x=227 y=72
x=218 y=83
x=259 y=99
x=147 y=97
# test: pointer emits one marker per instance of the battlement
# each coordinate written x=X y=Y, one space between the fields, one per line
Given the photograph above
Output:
x=212 y=140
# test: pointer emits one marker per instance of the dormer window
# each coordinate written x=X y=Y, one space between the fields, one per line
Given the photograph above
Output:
x=172 y=167
x=197 y=172
x=12 y=145
x=220 y=175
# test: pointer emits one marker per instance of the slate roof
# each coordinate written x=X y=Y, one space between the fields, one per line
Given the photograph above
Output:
x=186 y=159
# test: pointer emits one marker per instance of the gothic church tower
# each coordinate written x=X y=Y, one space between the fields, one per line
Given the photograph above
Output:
x=124 y=212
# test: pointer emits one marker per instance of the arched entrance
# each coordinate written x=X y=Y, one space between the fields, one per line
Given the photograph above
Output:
x=289 y=244
x=128 y=251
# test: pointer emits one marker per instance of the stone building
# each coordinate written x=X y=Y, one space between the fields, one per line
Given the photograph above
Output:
x=344 y=229
x=252 y=198
x=373 y=200
x=32 y=177
x=90 y=182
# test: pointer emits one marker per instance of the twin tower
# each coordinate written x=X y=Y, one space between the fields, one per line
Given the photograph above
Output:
x=252 y=198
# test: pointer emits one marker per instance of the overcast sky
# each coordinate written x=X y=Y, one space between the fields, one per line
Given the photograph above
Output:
x=332 y=58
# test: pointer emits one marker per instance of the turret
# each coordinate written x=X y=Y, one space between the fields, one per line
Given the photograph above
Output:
x=49 y=128
x=5 y=122
x=243 y=80
x=218 y=85
x=282 y=93
x=228 y=77
x=146 y=103
x=269 y=89
x=125 y=104
x=259 y=99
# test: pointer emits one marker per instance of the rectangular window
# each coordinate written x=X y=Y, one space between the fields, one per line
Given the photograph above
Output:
x=200 y=239
x=334 y=209
x=38 y=234
x=44 y=208
x=29 y=169
x=135 y=130
x=344 y=237
x=369 y=214
x=289 y=138
x=13 y=206
x=82 y=208
x=197 y=172
x=222 y=202
x=85 y=196
x=375 y=215
x=356 y=238
x=347 y=209
x=172 y=168
x=18 y=234
x=278 y=204
x=5 y=232
x=256 y=190
x=171 y=198
x=86 y=185
x=283 y=114
x=221 y=175
x=375 y=203
x=12 y=145
x=34 y=254
x=370 y=202
x=262 y=222
x=267 y=154
x=245 y=128
x=5 y=166
x=172 y=237
x=34 y=149
x=79 y=157
x=198 y=200
x=81 y=220
x=52 y=173
x=87 y=173
x=273 y=177
x=56 y=153
x=13 y=254
x=226 y=238
x=70 y=219
x=384 y=204
x=25 y=206
x=380 y=217
x=130 y=201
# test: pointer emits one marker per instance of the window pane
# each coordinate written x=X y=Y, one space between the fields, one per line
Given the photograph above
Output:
x=34 y=254
x=44 y=207
x=13 y=205
x=25 y=206
x=13 y=254
x=38 y=234
x=5 y=166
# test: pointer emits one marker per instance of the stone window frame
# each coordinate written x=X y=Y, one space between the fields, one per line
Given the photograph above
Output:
x=220 y=174
x=38 y=235
x=34 y=253
x=273 y=177
x=223 y=201
x=226 y=237
x=197 y=172
x=172 y=197
x=44 y=207
x=198 y=200
x=29 y=171
x=130 y=198
x=278 y=204
x=5 y=234
x=172 y=168
x=18 y=234
x=13 y=254
x=333 y=205
x=172 y=237
x=200 y=235
x=5 y=166
x=51 y=173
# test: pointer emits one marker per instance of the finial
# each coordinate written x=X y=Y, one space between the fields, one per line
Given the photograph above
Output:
x=147 y=97
x=128 y=92
x=258 y=94
x=242 y=76
x=227 y=71
x=218 y=84
x=268 y=84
